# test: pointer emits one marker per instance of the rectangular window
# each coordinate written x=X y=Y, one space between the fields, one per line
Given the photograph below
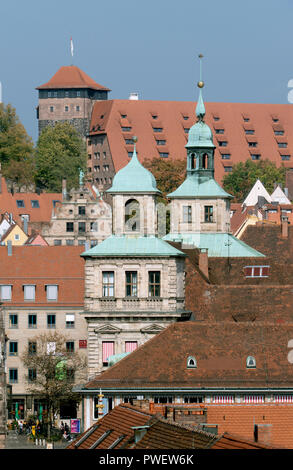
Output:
x=154 y=283
x=52 y=292
x=163 y=399
x=131 y=283
x=13 y=376
x=32 y=348
x=70 y=346
x=157 y=129
x=192 y=399
x=77 y=108
x=187 y=218
x=130 y=346
x=279 y=132
x=226 y=156
x=219 y=131
x=94 y=226
x=51 y=109
x=108 y=284
x=164 y=154
x=208 y=213
x=228 y=169
x=5 y=293
x=81 y=210
x=66 y=109
x=285 y=157
x=256 y=271
x=70 y=321
x=57 y=242
x=13 y=321
x=161 y=142
x=255 y=156
x=223 y=399
x=69 y=242
x=13 y=348
x=35 y=204
x=126 y=129
x=20 y=203
x=223 y=143
x=254 y=399
x=107 y=351
x=249 y=131
x=32 y=375
x=51 y=321
x=29 y=292
x=81 y=227
x=32 y=321
x=252 y=144
x=69 y=227
x=282 y=144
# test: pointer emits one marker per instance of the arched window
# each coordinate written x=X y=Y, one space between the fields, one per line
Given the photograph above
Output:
x=131 y=217
x=251 y=362
x=191 y=362
x=205 y=160
x=192 y=161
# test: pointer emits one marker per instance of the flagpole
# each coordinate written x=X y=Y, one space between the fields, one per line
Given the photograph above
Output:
x=71 y=50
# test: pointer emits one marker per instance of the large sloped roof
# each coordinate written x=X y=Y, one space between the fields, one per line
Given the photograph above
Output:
x=220 y=349
x=176 y=116
x=71 y=76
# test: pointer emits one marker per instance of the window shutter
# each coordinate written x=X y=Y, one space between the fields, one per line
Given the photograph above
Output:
x=5 y=292
x=52 y=292
x=108 y=350
x=130 y=346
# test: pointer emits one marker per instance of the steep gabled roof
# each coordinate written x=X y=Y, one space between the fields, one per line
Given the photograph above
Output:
x=71 y=76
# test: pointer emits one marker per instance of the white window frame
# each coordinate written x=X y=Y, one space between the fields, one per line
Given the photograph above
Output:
x=26 y=292
x=260 y=271
x=2 y=290
x=49 y=296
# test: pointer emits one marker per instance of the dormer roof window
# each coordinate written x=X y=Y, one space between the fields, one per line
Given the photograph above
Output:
x=250 y=362
x=191 y=362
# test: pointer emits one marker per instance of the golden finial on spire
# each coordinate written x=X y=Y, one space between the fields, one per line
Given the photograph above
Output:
x=134 y=138
x=200 y=84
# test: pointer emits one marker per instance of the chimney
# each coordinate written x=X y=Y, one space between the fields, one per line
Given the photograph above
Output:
x=139 y=432
x=203 y=262
x=64 y=191
x=9 y=248
x=284 y=224
x=25 y=225
x=143 y=404
x=262 y=433
x=133 y=96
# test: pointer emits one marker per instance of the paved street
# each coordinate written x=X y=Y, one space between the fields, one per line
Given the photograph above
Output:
x=16 y=441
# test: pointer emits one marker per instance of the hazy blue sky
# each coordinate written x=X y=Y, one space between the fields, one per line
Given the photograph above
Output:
x=150 y=47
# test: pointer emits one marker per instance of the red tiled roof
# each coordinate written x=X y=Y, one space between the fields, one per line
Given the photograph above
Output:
x=42 y=213
x=221 y=350
x=170 y=115
x=240 y=420
x=71 y=76
x=228 y=441
x=41 y=265
x=120 y=420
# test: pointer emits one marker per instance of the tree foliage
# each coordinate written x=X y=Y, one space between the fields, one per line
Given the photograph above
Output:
x=169 y=174
x=56 y=368
x=16 y=148
x=244 y=175
x=60 y=153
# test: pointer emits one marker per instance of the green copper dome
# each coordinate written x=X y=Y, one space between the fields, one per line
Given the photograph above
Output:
x=200 y=134
x=134 y=178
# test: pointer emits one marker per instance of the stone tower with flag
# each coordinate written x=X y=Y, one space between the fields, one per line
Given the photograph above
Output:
x=69 y=97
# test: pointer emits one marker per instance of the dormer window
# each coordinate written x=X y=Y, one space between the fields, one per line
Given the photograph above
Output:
x=191 y=362
x=250 y=362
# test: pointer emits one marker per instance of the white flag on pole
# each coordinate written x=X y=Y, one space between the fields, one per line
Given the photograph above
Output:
x=71 y=47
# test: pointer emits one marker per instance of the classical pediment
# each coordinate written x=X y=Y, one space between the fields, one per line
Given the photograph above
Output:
x=152 y=329
x=108 y=329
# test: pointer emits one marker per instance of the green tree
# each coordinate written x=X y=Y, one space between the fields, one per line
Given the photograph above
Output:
x=60 y=153
x=56 y=369
x=243 y=176
x=169 y=174
x=16 y=148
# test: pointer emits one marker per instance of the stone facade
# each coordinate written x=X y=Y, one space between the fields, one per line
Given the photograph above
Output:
x=121 y=318
x=79 y=219
x=100 y=163
x=2 y=383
